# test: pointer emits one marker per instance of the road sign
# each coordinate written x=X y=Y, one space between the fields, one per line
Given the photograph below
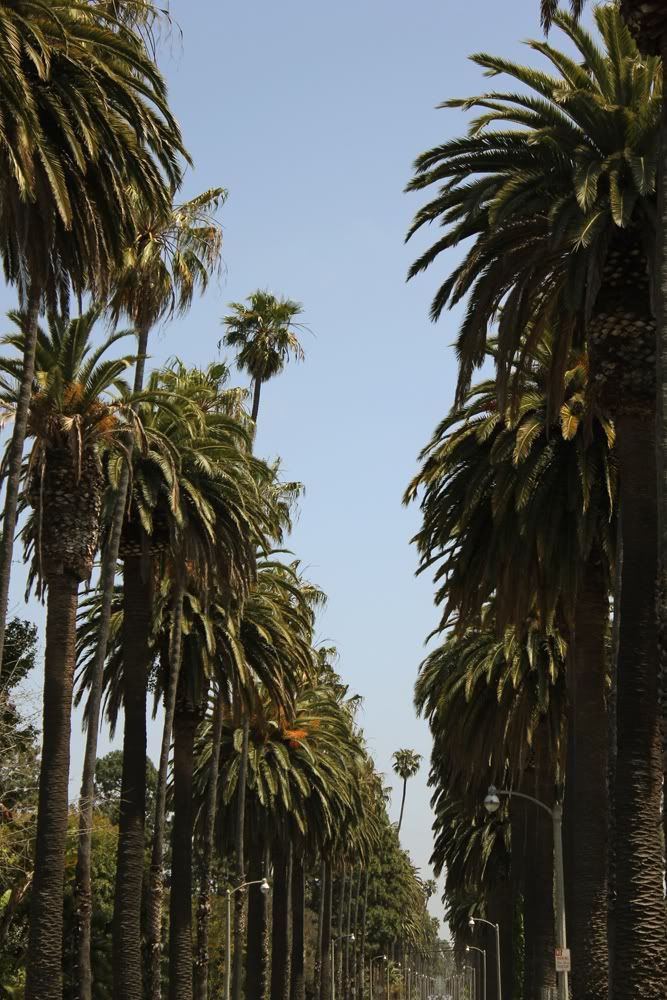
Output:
x=563 y=960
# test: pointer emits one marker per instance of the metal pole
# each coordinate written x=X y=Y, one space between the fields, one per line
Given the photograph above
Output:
x=561 y=930
x=500 y=988
x=370 y=977
x=484 y=967
x=228 y=945
x=333 y=969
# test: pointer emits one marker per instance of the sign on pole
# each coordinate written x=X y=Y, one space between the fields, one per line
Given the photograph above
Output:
x=563 y=960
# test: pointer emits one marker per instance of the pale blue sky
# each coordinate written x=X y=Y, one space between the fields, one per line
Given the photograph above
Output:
x=310 y=114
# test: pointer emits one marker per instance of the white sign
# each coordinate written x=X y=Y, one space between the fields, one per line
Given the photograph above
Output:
x=563 y=960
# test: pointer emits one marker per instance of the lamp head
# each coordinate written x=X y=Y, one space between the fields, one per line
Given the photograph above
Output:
x=471 y=923
x=264 y=886
x=492 y=802
x=384 y=958
x=467 y=947
x=352 y=938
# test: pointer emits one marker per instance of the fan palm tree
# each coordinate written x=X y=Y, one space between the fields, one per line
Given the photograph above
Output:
x=172 y=255
x=406 y=764
x=564 y=237
x=262 y=334
x=73 y=421
x=65 y=166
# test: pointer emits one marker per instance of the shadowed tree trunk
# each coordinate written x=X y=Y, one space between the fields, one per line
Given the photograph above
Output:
x=400 y=818
x=325 y=971
x=640 y=942
x=156 y=887
x=362 y=946
x=539 y=910
x=204 y=902
x=137 y=606
x=338 y=942
x=280 y=934
x=298 y=978
x=180 y=909
x=257 y=389
x=587 y=792
x=15 y=458
x=257 y=922
x=354 y=971
x=347 y=943
x=44 y=966
x=83 y=882
x=239 y=901
x=320 y=925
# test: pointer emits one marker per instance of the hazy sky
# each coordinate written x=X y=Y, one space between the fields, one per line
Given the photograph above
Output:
x=310 y=114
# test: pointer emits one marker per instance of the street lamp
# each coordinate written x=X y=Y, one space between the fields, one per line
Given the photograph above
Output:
x=496 y=927
x=491 y=804
x=482 y=951
x=370 y=971
x=264 y=887
x=343 y=937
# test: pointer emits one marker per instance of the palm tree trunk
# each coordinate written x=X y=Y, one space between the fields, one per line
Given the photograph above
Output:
x=325 y=968
x=355 y=950
x=297 y=970
x=338 y=945
x=137 y=614
x=587 y=788
x=239 y=902
x=16 y=456
x=347 y=943
x=156 y=884
x=400 y=818
x=280 y=935
x=362 y=944
x=257 y=921
x=257 y=389
x=83 y=883
x=320 y=926
x=204 y=902
x=641 y=938
x=612 y=714
x=661 y=437
x=44 y=960
x=180 y=897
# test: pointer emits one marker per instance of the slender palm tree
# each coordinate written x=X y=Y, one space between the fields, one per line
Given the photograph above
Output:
x=406 y=764
x=73 y=420
x=564 y=237
x=263 y=336
x=172 y=255
x=65 y=166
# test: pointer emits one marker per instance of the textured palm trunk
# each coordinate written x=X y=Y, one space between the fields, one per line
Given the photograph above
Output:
x=325 y=967
x=257 y=922
x=361 y=975
x=206 y=862
x=180 y=897
x=586 y=798
x=44 y=960
x=661 y=436
x=354 y=970
x=519 y=833
x=540 y=971
x=340 y=918
x=640 y=943
x=15 y=458
x=83 y=882
x=280 y=932
x=126 y=948
x=400 y=818
x=347 y=944
x=239 y=901
x=320 y=924
x=257 y=390
x=297 y=970
x=156 y=878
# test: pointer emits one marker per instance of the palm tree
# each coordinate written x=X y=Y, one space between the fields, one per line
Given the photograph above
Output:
x=73 y=422
x=262 y=334
x=406 y=764
x=65 y=164
x=544 y=497
x=172 y=255
x=564 y=237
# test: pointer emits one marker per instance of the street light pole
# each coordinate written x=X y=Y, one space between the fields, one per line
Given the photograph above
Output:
x=496 y=927
x=370 y=972
x=482 y=951
x=264 y=887
x=491 y=803
x=343 y=937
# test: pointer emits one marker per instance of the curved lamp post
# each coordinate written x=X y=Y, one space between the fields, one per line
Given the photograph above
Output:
x=370 y=972
x=482 y=951
x=492 y=804
x=264 y=887
x=481 y=920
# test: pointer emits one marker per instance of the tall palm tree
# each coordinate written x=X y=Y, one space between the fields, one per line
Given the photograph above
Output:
x=72 y=420
x=406 y=764
x=263 y=337
x=172 y=255
x=564 y=236
x=65 y=166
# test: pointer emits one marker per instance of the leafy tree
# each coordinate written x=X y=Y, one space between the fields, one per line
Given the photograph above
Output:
x=108 y=783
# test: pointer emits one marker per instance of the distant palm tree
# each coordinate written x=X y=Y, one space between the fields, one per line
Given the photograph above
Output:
x=406 y=765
